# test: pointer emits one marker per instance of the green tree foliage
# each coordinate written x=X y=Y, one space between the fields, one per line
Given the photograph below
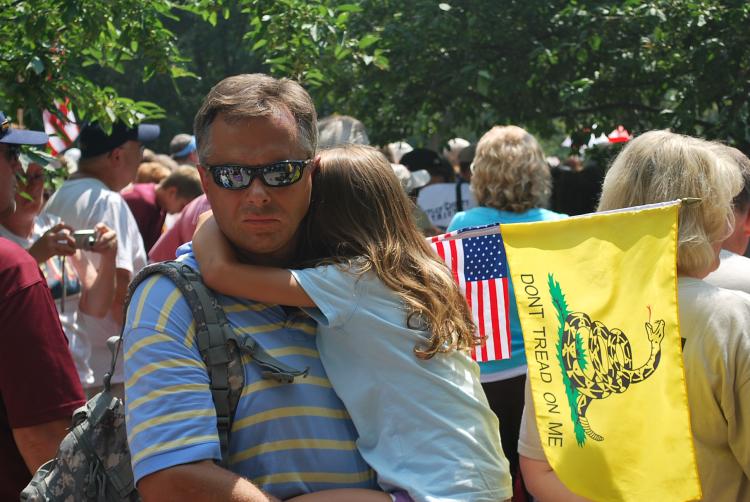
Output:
x=408 y=68
x=46 y=46
x=468 y=64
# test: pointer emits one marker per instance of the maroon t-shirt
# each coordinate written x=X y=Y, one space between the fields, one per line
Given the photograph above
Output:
x=38 y=379
x=141 y=198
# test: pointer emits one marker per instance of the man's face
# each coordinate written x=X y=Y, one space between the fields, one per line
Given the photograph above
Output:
x=130 y=155
x=738 y=240
x=261 y=221
x=9 y=166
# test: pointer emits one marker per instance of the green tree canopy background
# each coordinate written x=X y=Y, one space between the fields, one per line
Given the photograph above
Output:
x=412 y=69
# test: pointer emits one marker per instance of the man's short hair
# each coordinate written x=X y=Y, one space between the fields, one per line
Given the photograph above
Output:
x=181 y=146
x=248 y=96
x=338 y=130
x=186 y=180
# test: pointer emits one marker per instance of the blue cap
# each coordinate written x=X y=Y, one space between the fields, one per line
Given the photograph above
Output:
x=12 y=136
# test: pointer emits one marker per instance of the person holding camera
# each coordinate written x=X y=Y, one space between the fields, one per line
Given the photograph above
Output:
x=50 y=241
x=109 y=161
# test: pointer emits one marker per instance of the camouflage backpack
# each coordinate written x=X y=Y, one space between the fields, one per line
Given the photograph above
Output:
x=93 y=460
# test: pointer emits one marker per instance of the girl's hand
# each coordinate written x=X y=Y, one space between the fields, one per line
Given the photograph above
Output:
x=106 y=241
x=211 y=248
x=56 y=241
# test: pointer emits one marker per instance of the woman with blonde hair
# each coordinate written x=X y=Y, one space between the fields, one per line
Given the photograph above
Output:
x=393 y=329
x=660 y=166
x=512 y=184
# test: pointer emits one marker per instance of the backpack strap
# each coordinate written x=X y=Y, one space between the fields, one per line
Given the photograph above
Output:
x=217 y=343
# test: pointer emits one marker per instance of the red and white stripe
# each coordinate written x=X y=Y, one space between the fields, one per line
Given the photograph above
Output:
x=487 y=301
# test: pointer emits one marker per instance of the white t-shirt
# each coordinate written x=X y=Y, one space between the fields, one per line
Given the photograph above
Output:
x=439 y=202
x=424 y=425
x=82 y=203
x=733 y=272
x=58 y=271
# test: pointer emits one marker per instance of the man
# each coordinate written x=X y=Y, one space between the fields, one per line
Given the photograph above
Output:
x=108 y=164
x=151 y=202
x=439 y=198
x=287 y=439
x=39 y=387
x=48 y=240
x=734 y=268
x=183 y=150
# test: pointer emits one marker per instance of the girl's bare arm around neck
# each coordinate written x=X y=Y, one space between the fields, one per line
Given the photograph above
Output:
x=223 y=272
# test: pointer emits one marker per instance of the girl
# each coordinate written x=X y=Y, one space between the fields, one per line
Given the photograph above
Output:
x=392 y=331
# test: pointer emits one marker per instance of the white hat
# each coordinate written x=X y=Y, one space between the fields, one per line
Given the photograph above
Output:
x=399 y=149
x=411 y=180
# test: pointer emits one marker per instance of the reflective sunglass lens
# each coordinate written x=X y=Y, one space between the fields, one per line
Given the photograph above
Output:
x=283 y=173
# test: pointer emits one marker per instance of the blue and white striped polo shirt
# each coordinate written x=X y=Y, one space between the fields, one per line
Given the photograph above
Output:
x=288 y=439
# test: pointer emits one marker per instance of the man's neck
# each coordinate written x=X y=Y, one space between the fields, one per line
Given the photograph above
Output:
x=278 y=259
x=96 y=172
x=19 y=224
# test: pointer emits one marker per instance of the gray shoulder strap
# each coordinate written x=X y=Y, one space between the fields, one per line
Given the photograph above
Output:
x=217 y=344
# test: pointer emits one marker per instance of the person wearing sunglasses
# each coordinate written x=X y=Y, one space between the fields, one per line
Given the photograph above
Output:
x=257 y=140
x=109 y=161
x=34 y=414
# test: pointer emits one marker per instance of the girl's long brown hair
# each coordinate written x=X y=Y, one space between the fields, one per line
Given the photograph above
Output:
x=359 y=210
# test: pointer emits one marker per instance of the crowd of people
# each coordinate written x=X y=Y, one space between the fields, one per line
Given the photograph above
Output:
x=315 y=244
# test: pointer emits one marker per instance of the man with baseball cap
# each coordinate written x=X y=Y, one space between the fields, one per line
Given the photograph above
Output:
x=109 y=162
x=39 y=387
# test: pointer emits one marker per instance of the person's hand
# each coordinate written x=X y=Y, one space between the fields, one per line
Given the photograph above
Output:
x=106 y=241
x=211 y=247
x=57 y=241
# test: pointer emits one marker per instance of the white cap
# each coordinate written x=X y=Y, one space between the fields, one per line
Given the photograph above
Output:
x=411 y=180
x=399 y=149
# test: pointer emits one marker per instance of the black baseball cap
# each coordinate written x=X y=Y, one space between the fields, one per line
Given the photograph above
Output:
x=12 y=136
x=94 y=141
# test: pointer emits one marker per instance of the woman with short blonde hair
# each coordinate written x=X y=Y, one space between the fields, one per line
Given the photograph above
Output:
x=512 y=184
x=509 y=171
x=661 y=166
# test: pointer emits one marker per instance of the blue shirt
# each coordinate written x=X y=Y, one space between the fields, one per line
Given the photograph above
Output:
x=288 y=439
x=424 y=425
x=506 y=368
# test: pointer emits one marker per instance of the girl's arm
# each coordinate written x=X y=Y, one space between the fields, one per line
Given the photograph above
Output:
x=222 y=272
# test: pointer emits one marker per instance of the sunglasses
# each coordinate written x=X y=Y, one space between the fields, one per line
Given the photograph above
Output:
x=278 y=174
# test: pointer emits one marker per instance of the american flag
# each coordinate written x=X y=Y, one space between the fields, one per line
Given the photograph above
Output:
x=62 y=133
x=476 y=258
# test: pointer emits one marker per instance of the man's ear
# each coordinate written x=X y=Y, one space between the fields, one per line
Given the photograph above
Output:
x=205 y=177
x=116 y=155
x=745 y=221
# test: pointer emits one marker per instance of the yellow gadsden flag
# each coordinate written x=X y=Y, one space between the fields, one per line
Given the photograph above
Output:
x=597 y=299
